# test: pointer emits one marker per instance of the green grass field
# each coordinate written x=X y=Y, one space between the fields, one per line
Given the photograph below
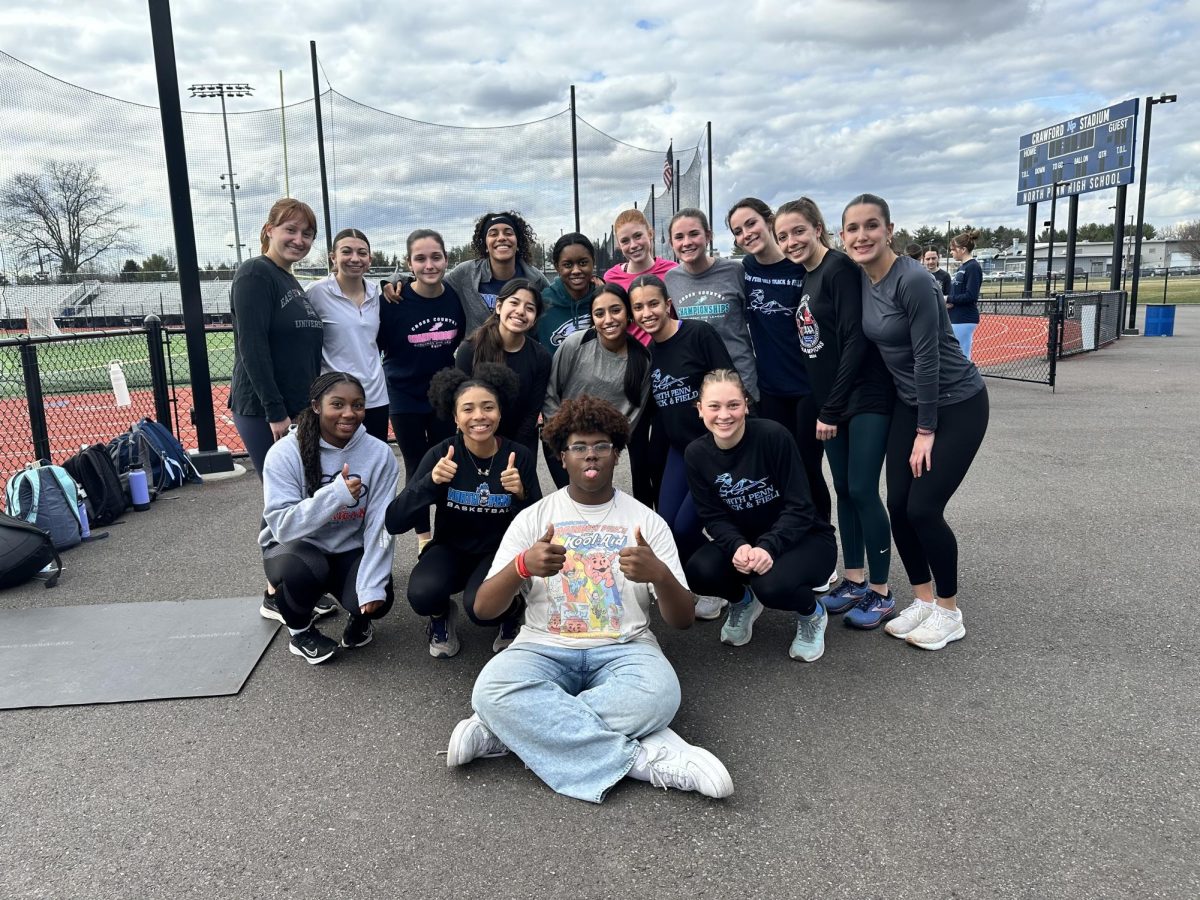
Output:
x=1180 y=289
x=77 y=367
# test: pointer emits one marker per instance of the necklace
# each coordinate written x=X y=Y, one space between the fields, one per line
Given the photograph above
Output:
x=612 y=504
x=483 y=473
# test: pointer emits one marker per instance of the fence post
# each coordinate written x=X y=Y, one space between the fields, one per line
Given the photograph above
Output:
x=1054 y=336
x=574 y=159
x=312 y=49
x=33 y=397
x=158 y=371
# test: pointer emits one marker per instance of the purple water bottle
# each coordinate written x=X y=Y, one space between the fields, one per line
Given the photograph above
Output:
x=138 y=489
x=85 y=530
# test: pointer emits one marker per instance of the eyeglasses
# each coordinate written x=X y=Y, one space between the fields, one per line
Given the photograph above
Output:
x=604 y=448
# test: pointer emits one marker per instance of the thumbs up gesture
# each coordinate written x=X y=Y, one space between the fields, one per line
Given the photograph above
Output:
x=510 y=478
x=546 y=557
x=353 y=482
x=638 y=562
x=444 y=469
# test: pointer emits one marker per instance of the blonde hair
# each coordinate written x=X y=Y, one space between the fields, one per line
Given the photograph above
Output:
x=724 y=376
x=281 y=211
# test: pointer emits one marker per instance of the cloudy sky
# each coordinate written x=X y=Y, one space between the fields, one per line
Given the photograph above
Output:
x=921 y=102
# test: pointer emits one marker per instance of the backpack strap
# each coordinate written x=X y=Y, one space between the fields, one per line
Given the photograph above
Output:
x=69 y=488
x=13 y=493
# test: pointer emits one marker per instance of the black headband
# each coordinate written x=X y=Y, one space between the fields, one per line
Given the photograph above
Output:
x=502 y=219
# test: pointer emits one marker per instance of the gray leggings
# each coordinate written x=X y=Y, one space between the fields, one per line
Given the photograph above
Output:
x=856 y=459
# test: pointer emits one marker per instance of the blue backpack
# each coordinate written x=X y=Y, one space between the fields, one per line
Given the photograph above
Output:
x=46 y=496
x=152 y=445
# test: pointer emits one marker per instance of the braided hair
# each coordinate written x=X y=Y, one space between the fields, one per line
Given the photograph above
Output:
x=308 y=425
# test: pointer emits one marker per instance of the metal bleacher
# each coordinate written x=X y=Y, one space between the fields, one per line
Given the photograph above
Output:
x=124 y=300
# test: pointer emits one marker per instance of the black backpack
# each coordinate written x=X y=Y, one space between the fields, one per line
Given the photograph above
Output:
x=93 y=468
x=24 y=551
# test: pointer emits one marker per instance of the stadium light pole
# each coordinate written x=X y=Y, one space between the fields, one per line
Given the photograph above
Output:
x=223 y=90
x=1151 y=102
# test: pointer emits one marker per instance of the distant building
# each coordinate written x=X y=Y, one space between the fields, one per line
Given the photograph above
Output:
x=1093 y=258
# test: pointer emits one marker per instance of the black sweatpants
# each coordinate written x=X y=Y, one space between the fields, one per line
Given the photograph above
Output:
x=442 y=572
x=799 y=416
x=788 y=585
x=302 y=573
x=917 y=506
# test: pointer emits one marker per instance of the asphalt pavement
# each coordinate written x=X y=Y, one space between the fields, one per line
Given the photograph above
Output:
x=1052 y=753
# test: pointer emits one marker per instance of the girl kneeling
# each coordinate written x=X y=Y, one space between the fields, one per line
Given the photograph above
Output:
x=325 y=485
x=751 y=493
x=478 y=481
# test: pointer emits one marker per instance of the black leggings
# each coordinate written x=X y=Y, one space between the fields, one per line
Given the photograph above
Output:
x=855 y=458
x=442 y=572
x=710 y=572
x=416 y=433
x=917 y=506
x=376 y=422
x=255 y=432
x=301 y=573
x=799 y=416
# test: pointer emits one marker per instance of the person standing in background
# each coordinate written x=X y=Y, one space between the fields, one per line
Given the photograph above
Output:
x=348 y=304
x=963 y=302
x=933 y=262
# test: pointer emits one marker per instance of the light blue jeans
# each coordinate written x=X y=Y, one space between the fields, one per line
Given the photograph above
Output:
x=965 y=332
x=574 y=716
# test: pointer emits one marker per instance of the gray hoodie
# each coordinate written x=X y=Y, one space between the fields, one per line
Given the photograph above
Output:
x=331 y=519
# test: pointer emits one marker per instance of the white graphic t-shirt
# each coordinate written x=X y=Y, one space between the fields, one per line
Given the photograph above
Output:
x=588 y=603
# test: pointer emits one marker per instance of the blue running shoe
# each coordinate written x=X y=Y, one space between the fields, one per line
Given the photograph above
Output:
x=844 y=596
x=871 y=610
x=809 y=643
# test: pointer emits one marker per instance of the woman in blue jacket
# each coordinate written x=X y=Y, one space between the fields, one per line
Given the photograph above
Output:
x=964 y=290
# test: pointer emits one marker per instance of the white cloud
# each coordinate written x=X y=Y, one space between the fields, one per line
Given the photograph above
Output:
x=920 y=102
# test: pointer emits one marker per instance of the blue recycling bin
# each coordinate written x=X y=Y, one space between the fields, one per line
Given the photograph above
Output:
x=1160 y=320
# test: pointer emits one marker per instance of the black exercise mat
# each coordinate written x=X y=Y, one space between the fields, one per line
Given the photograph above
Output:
x=119 y=652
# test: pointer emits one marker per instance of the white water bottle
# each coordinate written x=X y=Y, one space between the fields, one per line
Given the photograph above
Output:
x=119 y=385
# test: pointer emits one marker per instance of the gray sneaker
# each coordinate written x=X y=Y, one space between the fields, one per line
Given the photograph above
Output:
x=443 y=636
x=709 y=608
x=809 y=642
x=739 y=624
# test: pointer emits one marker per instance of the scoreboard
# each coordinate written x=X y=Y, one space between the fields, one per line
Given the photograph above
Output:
x=1086 y=153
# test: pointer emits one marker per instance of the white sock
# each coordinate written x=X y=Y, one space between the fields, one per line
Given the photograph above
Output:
x=295 y=631
x=955 y=614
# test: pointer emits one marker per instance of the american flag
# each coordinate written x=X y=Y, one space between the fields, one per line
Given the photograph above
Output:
x=669 y=167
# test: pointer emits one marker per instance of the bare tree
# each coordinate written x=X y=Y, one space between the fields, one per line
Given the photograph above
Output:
x=1188 y=235
x=65 y=212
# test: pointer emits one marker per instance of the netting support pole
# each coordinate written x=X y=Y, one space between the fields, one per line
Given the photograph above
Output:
x=574 y=158
x=312 y=49
x=158 y=370
x=653 y=222
x=1072 y=224
x=209 y=458
x=675 y=191
x=1030 y=246
x=38 y=431
x=287 y=188
x=711 y=244
x=1118 y=259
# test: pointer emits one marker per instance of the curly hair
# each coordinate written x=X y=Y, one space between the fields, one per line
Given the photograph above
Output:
x=526 y=237
x=448 y=385
x=308 y=425
x=584 y=414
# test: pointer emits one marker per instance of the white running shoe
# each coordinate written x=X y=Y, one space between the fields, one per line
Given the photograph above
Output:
x=709 y=608
x=938 y=629
x=470 y=740
x=674 y=763
x=824 y=588
x=910 y=617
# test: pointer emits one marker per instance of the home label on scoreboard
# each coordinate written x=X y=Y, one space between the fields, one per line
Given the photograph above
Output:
x=1087 y=153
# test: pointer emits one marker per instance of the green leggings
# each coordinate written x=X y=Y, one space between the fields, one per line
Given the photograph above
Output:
x=856 y=459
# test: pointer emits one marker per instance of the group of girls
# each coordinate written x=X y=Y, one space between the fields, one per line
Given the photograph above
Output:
x=736 y=376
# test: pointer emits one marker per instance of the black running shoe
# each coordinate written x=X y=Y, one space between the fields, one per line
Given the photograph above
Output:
x=358 y=632
x=269 y=609
x=326 y=606
x=313 y=646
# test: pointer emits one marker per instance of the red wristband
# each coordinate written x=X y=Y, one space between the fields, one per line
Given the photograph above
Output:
x=522 y=569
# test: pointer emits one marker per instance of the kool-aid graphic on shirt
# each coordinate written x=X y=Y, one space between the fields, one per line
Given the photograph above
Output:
x=432 y=333
x=585 y=597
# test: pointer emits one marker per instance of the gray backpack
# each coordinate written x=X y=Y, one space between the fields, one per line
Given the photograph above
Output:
x=46 y=496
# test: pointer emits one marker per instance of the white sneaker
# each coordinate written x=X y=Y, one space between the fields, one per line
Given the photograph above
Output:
x=709 y=608
x=470 y=740
x=910 y=617
x=674 y=763
x=824 y=588
x=938 y=629
x=443 y=635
